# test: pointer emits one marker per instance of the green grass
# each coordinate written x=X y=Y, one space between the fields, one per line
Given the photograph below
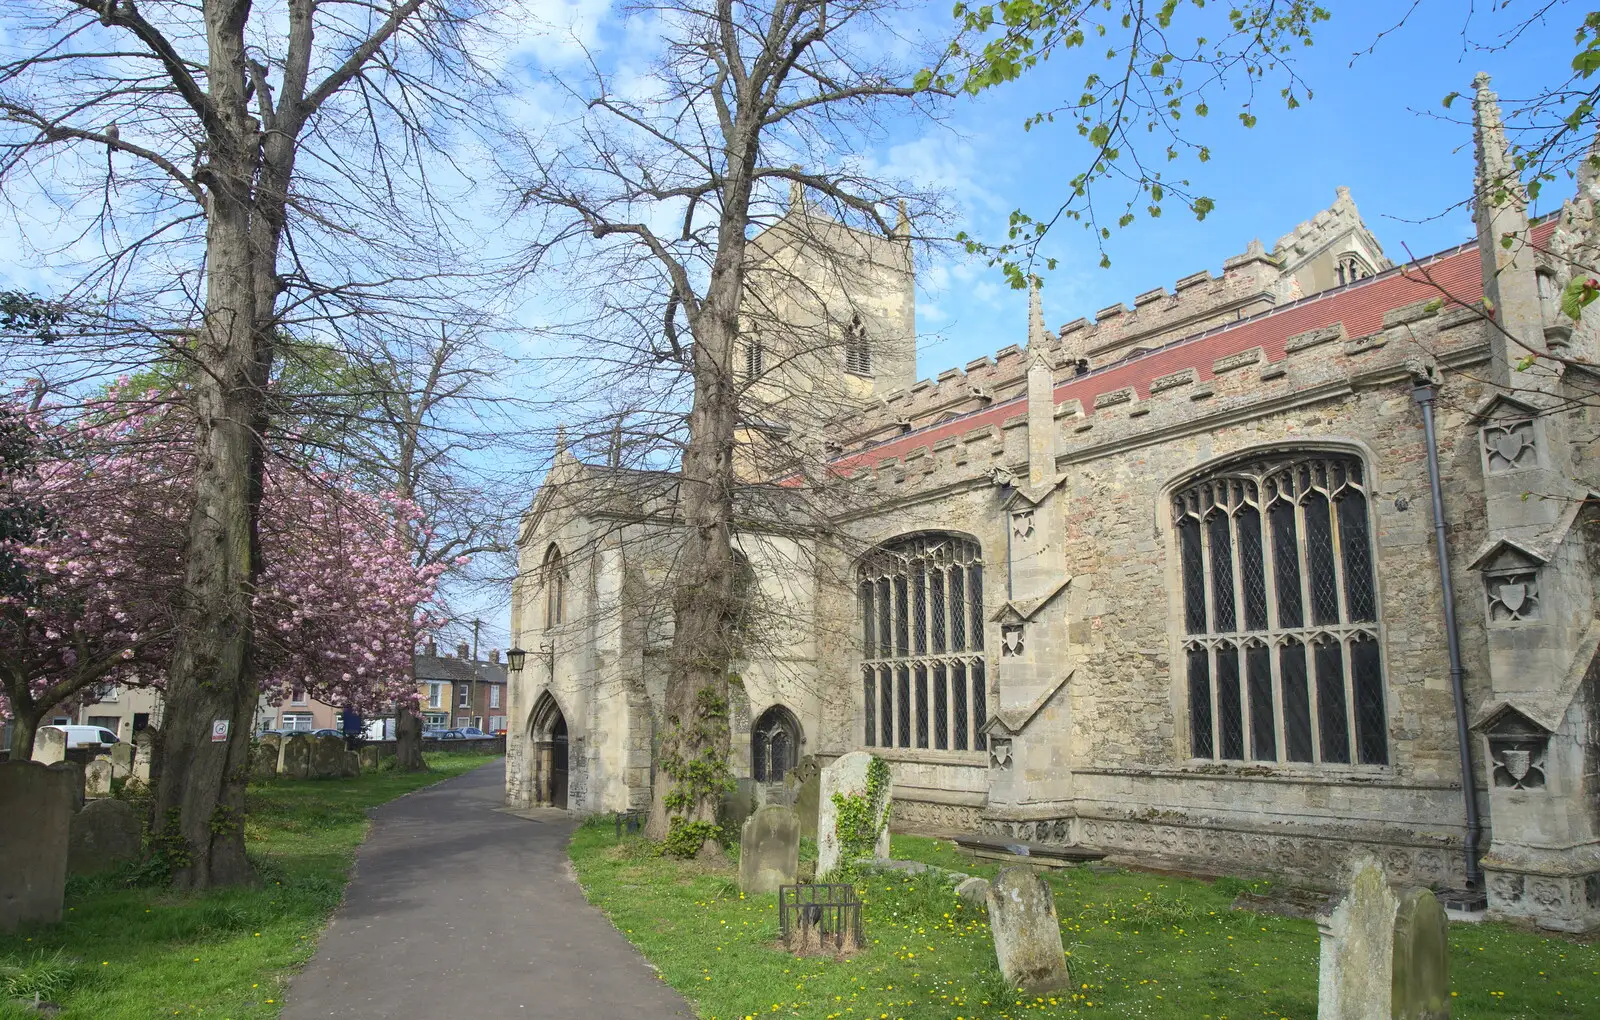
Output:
x=142 y=952
x=1140 y=945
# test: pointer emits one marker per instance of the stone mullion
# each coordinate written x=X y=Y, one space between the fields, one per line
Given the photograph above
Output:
x=1211 y=645
x=1269 y=570
x=1307 y=611
x=1241 y=628
x=1336 y=529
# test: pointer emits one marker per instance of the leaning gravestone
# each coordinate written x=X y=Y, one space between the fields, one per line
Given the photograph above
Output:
x=104 y=835
x=351 y=765
x=122 y=759
x=327 y=757
x=848 y=777
x=294 y=757
x=1027 y=932
x=769 y=850
x=803 y=784
x=97 y=778
x=370 y=755
x=33 y=857
x=1355 y=975
x=49 y=745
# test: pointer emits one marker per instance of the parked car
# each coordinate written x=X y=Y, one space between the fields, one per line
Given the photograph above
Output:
x=86 y=736
x=327 y=733
x=473 y=733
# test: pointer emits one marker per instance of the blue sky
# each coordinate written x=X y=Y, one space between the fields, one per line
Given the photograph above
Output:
x=1377 y=127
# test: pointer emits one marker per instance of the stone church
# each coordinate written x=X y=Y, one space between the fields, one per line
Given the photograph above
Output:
x=1166 y=582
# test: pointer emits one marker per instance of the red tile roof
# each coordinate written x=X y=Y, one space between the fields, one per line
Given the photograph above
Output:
x=1360 y=306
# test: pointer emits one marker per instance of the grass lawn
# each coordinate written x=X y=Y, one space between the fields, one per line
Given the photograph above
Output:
x=142 y=952
x=1140 y=945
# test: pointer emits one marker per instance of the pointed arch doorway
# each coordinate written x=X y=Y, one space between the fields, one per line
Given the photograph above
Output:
x=549 y=739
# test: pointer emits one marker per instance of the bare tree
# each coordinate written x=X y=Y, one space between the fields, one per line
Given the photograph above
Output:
x=232 y=169
x=654 y=196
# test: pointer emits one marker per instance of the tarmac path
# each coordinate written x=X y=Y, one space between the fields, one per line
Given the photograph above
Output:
x=460 y=909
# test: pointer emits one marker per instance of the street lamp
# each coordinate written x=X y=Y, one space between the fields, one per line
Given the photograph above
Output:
x=515 y=658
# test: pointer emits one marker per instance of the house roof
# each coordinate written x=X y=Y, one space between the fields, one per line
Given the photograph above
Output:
x=445 y=667
x=1358 y=306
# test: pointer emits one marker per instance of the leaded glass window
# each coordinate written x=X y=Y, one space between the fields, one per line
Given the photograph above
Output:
x=1280 y=613
x=922 y=668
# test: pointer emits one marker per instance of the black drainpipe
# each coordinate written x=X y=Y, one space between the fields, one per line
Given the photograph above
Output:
x=1423 y=392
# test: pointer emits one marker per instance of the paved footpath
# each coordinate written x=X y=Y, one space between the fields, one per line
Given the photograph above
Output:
x=460 y=909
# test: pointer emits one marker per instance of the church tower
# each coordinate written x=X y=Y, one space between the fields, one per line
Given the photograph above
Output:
x=828 y=325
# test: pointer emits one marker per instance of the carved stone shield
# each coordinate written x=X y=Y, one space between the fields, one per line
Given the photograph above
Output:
x=1514 y=596
x=1517 y=763
x=1509 y=446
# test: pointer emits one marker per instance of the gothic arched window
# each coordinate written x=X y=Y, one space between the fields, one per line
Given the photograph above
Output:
x=774 y=745
x=1280 y=612
x=922 y=671
x=1350 y=267
x=555 y=588
x=857 y=352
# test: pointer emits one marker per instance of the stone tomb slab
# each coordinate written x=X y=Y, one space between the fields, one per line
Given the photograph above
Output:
x=33 y=857
x=769 y=850
x=1027 y=931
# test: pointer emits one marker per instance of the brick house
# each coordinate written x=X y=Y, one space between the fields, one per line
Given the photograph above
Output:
x=458 y=690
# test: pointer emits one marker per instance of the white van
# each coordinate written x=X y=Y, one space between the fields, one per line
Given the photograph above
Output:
x=85 y=736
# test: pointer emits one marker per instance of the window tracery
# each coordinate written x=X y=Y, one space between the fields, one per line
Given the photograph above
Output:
x=923 y=673
x=1350 y=267
x=555 y=588
x=774 y=745
x=1280 y=613
x=857 y=353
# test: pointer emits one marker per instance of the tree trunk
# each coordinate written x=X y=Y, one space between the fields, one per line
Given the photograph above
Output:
x=211 y=684
x=693 y=770
x=408 y=741
x=24 y=726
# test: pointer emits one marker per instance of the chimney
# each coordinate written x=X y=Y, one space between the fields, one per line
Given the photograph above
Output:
x=463 y=650
x=494 y=656
x=431 y=648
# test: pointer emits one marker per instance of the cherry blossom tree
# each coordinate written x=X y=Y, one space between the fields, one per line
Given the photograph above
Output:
x=337 y=611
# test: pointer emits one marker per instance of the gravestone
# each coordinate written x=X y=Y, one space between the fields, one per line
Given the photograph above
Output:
x=370 y=755
x=1355 y=975
x=75 y=779
x=803 y=784
x=294 y=757
x=327 y=757
x=264 y=760
x=49 y=745
x=122 y=759
x=1027 y=932
x=1420 y=989
x=33 y=857
x=144 y=749
x=97 y=778
x=273 y=741
x=847 y=776
x=974 y=889
x=737 y=804
x=104 y=835
x=352 y=765
x=769 y=850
